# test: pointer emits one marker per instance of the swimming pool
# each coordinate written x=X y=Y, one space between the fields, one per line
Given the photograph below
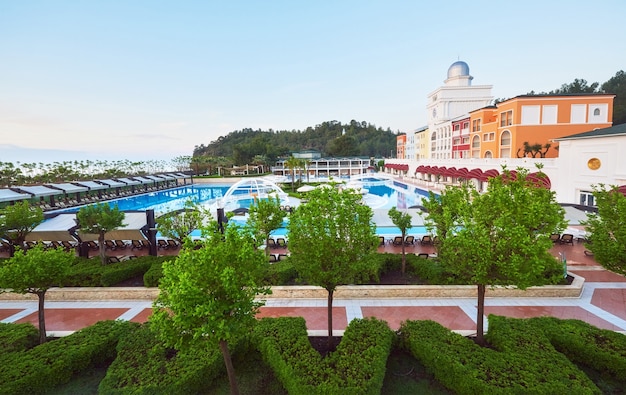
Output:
x=382 y=194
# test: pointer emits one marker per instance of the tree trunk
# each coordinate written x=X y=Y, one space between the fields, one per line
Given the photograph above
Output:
x=330 y=318
x=41 y=295
x=103 y=252
x=232 y=380
x=480 y=332
x=403 y=255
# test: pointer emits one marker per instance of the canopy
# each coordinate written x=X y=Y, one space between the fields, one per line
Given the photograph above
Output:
x=40 y=190
x=92 y=185
x=167 y=176
x=54 y=229
x=7 y=195
x=155 y=178
x=112 y=183
x=144 y=180
x=130 y=229
x=69 y=188
x=128 y=181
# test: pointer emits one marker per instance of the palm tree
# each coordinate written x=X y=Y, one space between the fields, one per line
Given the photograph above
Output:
x=292 y=163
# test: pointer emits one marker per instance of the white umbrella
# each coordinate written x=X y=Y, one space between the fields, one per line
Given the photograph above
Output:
x=305 y=188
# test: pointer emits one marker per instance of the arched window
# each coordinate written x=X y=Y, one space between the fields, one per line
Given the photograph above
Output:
x=476 y=146
x=596 y=112
x=505 y=144
x=488 y=154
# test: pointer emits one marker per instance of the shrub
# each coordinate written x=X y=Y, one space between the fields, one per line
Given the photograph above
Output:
x=91 y=273
x=522 y=361
x=356 y=367
x=152 y=276
x=18 y=337
x=599 y=349
x=144 y=366
x=281 y=273
x=53 y=363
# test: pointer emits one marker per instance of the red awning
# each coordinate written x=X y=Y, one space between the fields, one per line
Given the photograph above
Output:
x=475 y=173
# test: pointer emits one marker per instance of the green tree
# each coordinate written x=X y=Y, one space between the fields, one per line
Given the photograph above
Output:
x=331 y=238
x=402 y=221
x=607 y=233
x=292 y=163
x=498 y=238
x=265 y=216
x=18 y=220
x=208 y=294
x=617 y=86
x=178 y=225
x=99 y=219
x=35 y=271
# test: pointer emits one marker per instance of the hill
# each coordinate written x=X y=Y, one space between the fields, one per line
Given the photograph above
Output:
x=359 y=139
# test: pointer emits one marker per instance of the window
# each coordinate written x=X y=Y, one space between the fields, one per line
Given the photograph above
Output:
x=506 y=118
x=457 y=127
x=476 y=125
x=530 y=115
x=505 y=138
x=586 y=198
x=596 y=112
x=476 y=147
x=488 y=154
x=549 y=114
x=489 y=136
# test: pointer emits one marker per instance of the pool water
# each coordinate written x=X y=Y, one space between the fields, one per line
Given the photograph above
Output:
x=384 y=194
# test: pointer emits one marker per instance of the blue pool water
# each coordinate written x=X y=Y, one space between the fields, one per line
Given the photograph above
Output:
x=386 y=193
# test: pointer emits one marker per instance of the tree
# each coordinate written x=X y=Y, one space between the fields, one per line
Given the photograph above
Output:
x=35 y=271
x=18 y=220
x=331 y=238
x=178 y=225
x=402 y=221
x=99 y=219
x=292 y=163
x=265 y=216
x=499 y=238
x=208 y=294
x=607 y=233
x=617 y=86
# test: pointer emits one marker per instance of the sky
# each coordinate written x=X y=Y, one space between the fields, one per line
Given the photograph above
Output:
x=150 y=80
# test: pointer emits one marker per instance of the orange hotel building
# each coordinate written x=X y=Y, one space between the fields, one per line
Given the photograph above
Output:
x=500 y=131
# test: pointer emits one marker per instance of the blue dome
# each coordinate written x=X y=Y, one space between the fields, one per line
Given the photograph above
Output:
x=458 y=69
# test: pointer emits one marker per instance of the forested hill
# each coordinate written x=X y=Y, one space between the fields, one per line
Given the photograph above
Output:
x=360 y=139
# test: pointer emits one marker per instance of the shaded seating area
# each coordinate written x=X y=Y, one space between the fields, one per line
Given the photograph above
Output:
x=427 y=240
x=397 y=241
x=567 y=238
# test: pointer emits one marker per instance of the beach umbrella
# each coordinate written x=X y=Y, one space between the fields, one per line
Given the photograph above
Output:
x=305 y=188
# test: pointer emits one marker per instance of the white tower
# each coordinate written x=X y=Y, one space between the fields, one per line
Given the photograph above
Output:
x=456 y=98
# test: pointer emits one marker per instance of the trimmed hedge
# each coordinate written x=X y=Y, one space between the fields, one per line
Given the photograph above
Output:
x=356 y=367
x=53 y=363
x=599 y=349
x=18 y=337
x=281 y=273
x=152 y=276
x=522 y=362
x=144 y=366
x=91 y=272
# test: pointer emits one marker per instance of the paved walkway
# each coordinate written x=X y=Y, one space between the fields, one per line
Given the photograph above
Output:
x=602 y=303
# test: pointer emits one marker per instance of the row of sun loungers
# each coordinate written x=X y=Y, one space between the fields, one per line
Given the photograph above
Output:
x=67 y=203
x=409 y=240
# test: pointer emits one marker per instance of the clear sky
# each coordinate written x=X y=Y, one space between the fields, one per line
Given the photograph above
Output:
x=139 y=80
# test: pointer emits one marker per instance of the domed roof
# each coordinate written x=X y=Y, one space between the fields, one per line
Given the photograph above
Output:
x=458 y=69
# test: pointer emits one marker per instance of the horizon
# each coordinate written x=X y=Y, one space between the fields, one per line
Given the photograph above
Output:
x=150 y=81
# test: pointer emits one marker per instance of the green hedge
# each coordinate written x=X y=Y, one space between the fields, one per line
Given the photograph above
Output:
x=18 y=337
x=281 y=273
x=356 y=367
x=91 y=273
x=144 y=366
x=41 y=368
x=152 y=276
x=599 y=349
x=522 y=362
